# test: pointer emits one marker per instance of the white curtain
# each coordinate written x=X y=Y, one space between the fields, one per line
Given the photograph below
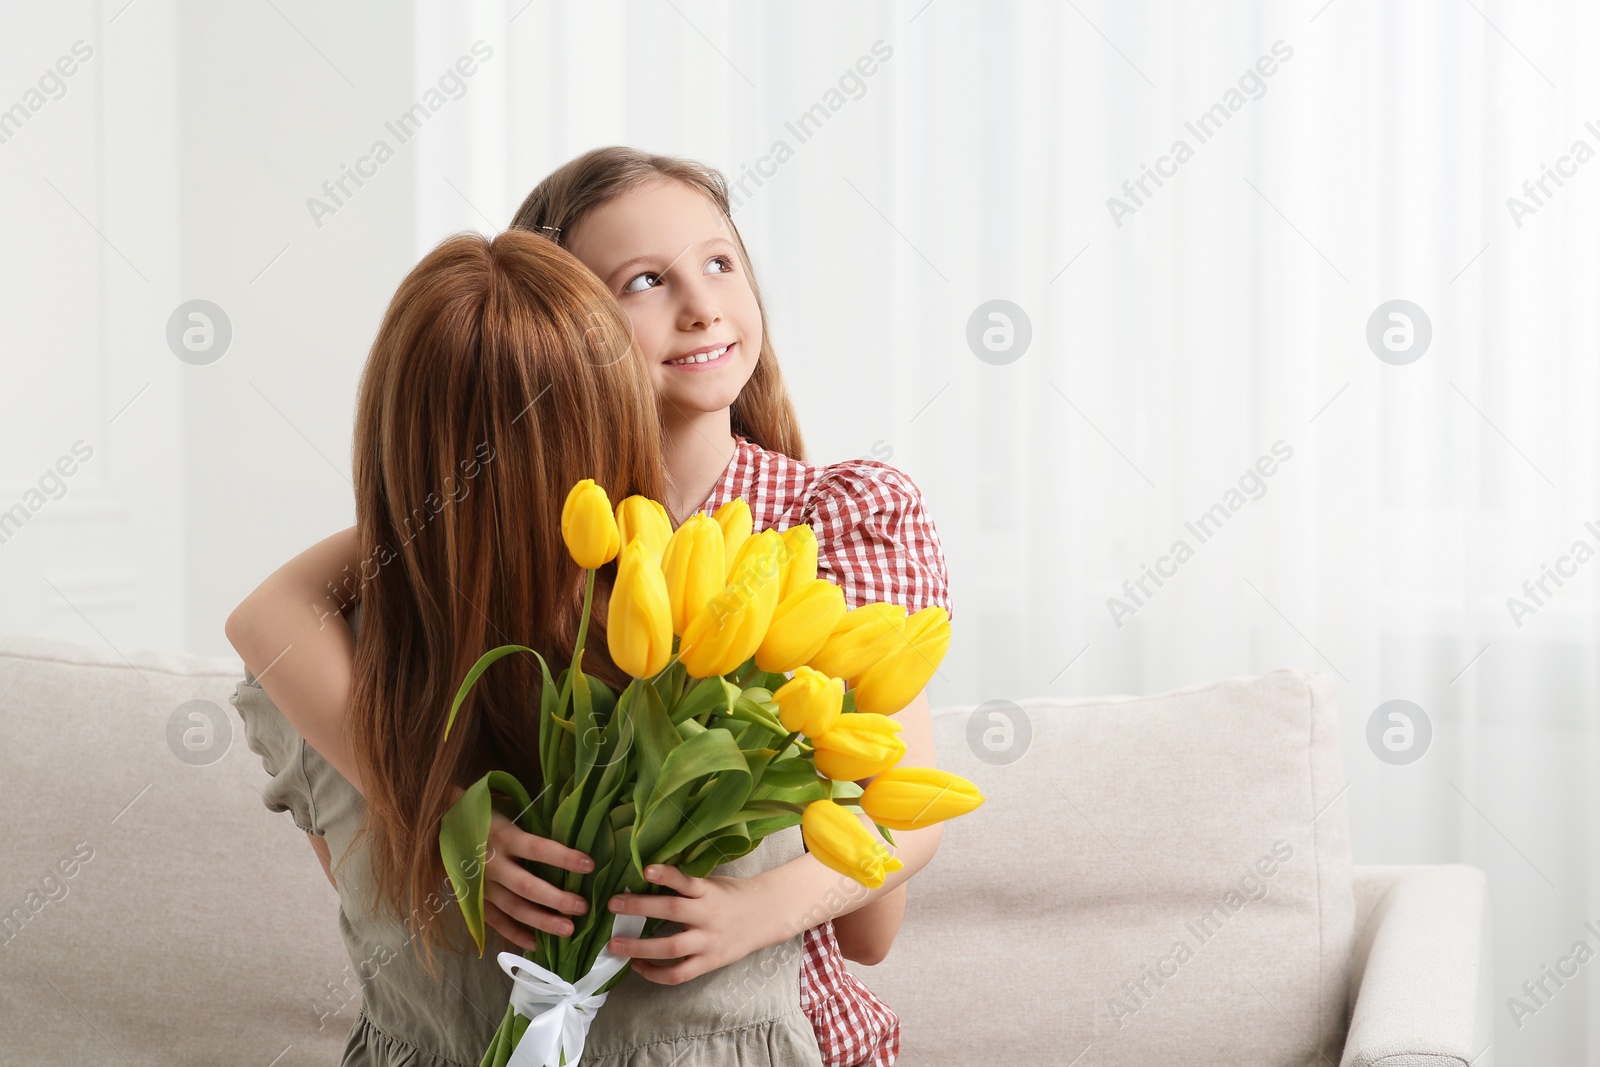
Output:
x=1339 y=156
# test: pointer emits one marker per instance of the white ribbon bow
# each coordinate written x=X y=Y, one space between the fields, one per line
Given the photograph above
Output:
x=560 y=1012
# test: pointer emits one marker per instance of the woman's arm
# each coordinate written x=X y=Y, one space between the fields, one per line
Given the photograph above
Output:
x=282 y=632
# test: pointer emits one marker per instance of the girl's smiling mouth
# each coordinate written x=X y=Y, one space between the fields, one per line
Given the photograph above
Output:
x=710 y=355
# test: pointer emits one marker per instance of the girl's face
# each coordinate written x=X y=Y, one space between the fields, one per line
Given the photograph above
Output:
x=667 y=253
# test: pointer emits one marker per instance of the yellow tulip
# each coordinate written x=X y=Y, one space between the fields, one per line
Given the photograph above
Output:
x=639 y=516
x=639 y=618
x=692 y=563
x=859 y=746
x=894 y=681
x=729 y=629
x=909 y=798
x=801 y=566
x=863 y=637
x=734 y=518
x=588 y=526
x=769 y=542
x=843 y=843
x=809 y=702
x=801 y=625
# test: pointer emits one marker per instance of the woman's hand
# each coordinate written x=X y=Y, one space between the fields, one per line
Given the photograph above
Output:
x=724 y=919
x=514 y=898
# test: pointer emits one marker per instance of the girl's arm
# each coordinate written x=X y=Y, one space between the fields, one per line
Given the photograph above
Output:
x=291 y=636
x=282 y=632
x=866 y=934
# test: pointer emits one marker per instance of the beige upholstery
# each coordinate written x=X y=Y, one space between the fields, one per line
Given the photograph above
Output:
x=1172 y=872
x=202 y=930
x=152 y=911
x=1420 y=979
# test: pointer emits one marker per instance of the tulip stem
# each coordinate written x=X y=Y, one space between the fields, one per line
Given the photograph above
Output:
x=583 y=623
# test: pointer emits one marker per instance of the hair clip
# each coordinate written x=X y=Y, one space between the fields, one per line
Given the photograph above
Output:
x=554 y=232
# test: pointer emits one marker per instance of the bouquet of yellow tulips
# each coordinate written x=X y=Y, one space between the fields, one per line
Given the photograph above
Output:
x=737 y=723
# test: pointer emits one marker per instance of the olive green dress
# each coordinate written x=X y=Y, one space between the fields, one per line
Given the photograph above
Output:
x=746 y=1014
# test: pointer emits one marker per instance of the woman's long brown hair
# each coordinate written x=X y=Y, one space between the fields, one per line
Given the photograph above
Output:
x=763 y=411
x=502 y=374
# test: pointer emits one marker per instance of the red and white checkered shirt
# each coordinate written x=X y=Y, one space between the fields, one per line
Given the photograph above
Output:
x=876 y=542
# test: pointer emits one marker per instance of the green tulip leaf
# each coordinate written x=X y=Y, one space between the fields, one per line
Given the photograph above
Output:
x=485 y=661
x=661 y=820
x=584 y=730
x=517 y=805
x=719 y=850
x=654 y=738
x=845 y=790
x=703 y=696
x=464 y=847
x=727 y=794
x=760 y=828
x=787 y=773
x=760 y=714
x=703 y=754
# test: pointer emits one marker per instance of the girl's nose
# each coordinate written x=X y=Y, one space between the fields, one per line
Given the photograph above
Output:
x=699 y=308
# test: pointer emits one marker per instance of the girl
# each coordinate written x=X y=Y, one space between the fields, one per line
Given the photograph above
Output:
x=657 y=232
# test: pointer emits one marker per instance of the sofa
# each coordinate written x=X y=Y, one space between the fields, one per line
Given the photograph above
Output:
x=1151 y=880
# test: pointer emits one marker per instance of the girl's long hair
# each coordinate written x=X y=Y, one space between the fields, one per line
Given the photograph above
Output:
x=763 y=412
x=502 y=374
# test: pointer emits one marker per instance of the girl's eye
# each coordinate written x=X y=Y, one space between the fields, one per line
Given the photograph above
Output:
x=649 y=280
x=726 y=265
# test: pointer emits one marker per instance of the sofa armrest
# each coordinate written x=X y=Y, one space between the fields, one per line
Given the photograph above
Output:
x=1420 y=968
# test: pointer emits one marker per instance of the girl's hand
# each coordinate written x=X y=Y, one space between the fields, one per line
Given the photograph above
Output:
x=514 y=898
x=723 y=920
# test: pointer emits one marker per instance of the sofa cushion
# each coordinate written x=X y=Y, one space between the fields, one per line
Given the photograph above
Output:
x=1162 y=879
x=152 y=910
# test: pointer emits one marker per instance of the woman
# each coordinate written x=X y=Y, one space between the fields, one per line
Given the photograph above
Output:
x=502 y=374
